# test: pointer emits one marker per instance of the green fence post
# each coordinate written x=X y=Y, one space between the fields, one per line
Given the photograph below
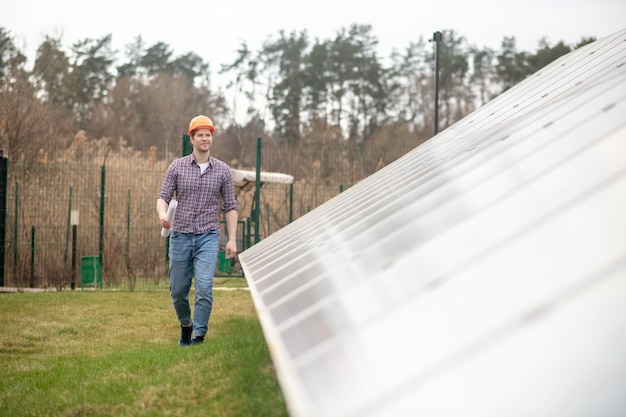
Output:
x=187 y=148
x=32 y=257
x=290 y=202
x=128 y=226
x=267 y=209
x=248 y=235
x=102 y=188
x=73 y=263
x=3 y=213
x=16 y=228
x=67 y=232
x=257 y=191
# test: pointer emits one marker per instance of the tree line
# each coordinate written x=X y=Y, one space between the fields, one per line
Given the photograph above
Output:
x=297 y=90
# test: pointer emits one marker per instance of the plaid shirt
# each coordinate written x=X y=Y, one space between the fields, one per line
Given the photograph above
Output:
x=198 y=195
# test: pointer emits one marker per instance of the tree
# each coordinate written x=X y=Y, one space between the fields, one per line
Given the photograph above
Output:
x=546 y=54
x=134 y=53
x=164 y=107
x=316 y=78
x=51 y=70
x=191 y=66
x=90 y=77
x=246 y=79
x=342 y=68
x=356 y=87
x=10 y=58
x=286 y=97
x=411 y=86
x=156 y=59
x=512 y=66
x=584 y=41
x=23 y=118
x=372 y=90
x=483 y=73
x=29 y=128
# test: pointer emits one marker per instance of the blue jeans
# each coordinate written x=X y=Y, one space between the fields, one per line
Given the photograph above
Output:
x=193 y=255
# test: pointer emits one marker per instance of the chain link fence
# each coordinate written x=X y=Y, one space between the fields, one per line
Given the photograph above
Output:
x=112 y=198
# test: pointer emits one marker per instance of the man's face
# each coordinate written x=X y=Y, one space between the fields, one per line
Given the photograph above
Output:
x=202 y=140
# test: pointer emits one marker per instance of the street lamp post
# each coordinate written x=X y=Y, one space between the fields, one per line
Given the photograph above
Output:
x=437 y=40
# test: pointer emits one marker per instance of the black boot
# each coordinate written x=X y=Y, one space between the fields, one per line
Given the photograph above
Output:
x=185 y=335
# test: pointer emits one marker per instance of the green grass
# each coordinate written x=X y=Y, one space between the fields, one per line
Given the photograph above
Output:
x=115 y=354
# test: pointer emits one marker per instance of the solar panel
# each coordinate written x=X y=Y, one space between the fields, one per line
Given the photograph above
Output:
x=482 y=274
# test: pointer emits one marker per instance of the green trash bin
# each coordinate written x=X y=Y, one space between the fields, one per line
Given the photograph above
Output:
x=90 y=272
x=223 y=264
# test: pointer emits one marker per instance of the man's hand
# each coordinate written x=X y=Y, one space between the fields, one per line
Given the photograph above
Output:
x=231 y=249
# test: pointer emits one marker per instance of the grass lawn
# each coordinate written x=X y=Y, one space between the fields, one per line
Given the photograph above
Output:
x=115 y=353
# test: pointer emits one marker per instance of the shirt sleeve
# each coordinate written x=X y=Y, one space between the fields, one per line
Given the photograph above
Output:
x=169 y=184
x=229 y=200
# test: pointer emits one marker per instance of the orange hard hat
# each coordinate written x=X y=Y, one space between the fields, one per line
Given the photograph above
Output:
x=201 y=122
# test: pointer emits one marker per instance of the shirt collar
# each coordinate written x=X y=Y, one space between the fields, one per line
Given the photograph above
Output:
x=192 y=159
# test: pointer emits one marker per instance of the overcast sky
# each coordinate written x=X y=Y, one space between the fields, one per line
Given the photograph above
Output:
x=214 y=30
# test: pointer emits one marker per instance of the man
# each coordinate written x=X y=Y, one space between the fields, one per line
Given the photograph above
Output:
x=200 y=181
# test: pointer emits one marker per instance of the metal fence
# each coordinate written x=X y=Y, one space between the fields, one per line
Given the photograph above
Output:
x=112 y=198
